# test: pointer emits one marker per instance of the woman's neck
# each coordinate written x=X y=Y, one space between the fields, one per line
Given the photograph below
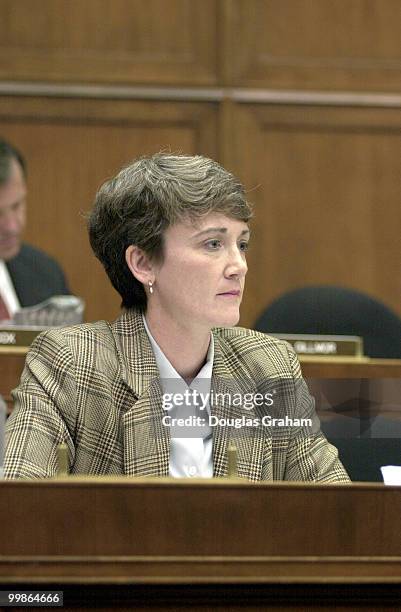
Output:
x=185 y=347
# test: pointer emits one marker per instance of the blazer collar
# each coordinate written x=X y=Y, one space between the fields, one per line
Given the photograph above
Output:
x=146 y=440
x=232 y=379
x=138 y=364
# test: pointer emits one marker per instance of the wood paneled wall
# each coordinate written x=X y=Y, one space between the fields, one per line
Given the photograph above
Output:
x=296 y=44
x=326 y=188
x=314 y=44
x=301 y=99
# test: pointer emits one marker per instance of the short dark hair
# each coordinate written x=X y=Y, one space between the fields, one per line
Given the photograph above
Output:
x=147 y=196
x=7 y=153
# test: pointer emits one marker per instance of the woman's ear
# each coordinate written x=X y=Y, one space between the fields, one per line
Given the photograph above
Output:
x=139 y=264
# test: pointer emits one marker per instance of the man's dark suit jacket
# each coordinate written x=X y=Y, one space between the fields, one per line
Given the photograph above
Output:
x=36 y=276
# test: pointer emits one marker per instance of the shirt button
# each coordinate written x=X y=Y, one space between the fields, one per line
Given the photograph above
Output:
x=192 y=471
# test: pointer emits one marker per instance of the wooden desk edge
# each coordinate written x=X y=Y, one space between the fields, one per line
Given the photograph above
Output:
x=190 y=483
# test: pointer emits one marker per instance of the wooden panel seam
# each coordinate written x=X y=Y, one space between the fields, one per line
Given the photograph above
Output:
x=211 y=94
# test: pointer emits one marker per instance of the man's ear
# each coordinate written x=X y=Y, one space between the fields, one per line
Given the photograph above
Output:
x=139 y=264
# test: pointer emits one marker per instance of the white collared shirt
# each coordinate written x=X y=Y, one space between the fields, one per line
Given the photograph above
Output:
x=183 y=449
x=7 y=290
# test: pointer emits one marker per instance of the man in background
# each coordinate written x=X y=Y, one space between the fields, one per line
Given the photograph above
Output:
x=27 y=275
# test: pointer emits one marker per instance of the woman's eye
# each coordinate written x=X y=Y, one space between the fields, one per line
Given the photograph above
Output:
x=213 y=245
x=244 y=246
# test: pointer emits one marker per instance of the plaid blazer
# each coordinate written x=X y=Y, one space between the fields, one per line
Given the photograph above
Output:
x=94 y=387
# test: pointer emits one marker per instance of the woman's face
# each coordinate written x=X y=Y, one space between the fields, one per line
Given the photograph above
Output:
x=201 y=279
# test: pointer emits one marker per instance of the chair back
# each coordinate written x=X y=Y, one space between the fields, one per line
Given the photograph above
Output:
x=339 y=311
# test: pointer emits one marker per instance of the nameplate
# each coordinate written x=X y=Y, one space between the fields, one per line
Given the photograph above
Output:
x=12 y=335
x=324 y=345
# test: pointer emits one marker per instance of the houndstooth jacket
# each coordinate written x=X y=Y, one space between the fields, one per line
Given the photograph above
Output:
x=94 y=387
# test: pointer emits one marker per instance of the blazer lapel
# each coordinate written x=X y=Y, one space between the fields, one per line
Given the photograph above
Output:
x=146 y=440
x=229 y=378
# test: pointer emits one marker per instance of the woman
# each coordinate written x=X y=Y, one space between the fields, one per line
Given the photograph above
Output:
x=161 y=390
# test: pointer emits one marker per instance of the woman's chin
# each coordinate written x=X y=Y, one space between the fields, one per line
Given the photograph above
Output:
x=227 y=320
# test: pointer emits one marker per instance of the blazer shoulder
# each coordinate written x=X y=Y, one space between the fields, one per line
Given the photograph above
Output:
x=98 y=332
x=242 y=335
x=89 y=343
x=256 y=350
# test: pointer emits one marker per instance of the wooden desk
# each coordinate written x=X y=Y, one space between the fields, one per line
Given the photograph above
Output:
x=366 y=385
x=342 y=367
x=196 y=537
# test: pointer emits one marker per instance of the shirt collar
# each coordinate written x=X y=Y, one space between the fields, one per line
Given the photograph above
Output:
x=167 y=370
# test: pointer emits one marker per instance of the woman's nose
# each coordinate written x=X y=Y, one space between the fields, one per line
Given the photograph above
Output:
x=237 y=263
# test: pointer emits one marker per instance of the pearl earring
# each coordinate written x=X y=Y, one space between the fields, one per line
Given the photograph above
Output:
x=150 y=287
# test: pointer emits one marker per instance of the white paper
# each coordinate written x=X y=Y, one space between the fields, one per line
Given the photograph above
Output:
x=391 y=474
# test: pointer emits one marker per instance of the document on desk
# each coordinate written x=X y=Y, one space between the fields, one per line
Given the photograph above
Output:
x=391 y=474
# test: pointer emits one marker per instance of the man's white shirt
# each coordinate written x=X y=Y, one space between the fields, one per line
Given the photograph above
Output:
x=7 y=290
